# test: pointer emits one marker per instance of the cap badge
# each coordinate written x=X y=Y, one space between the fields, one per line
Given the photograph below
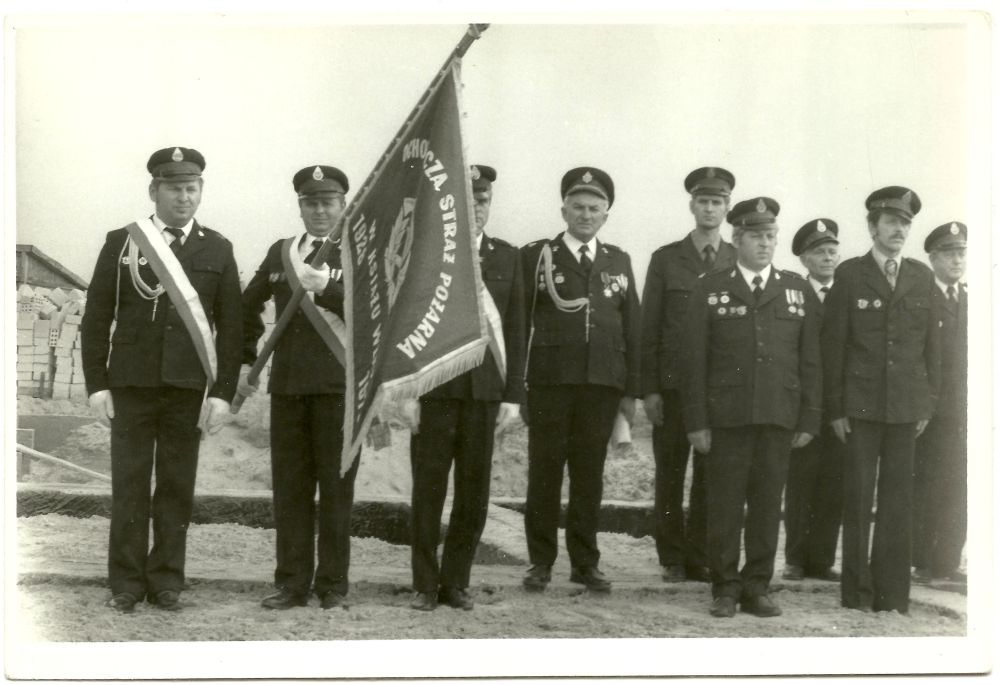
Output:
x=475 y=173
x=761 y=206
x=821 y=227
x=954 y=229
x=710 y=173
x=177 y=156
x=318 y=174
x=587 y=177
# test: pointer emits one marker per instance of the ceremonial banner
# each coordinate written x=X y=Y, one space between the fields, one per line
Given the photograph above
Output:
x=411 y=268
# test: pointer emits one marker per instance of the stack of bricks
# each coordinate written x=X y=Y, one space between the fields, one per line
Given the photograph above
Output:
x=48 y=342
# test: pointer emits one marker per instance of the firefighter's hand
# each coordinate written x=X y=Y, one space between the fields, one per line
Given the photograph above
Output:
x=315 y=280
x=244 y=387
x=103 y=406
x=701 y=440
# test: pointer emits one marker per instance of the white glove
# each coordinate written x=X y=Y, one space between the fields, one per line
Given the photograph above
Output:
x=409 y=412
x=315 y=280
x=213 y=411
x=243 y=386
x=509 y=416
x=103 y=406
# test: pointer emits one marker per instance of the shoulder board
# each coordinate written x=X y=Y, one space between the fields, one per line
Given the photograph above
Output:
x=501 y=241
x=537 y=243
x=792 y=274
x=669 y=246
x=849 y=263
x=613 y=248
x=916 y=262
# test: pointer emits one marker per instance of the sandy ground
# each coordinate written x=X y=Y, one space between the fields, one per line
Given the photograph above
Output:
x=237 y=455
x=229 y=568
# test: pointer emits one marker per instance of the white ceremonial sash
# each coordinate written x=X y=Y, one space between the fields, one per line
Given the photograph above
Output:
x=495 y=325
x=331 y=328
x=182 y=294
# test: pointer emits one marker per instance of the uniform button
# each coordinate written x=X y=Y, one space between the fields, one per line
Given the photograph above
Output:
x=761 y=359
x=170 y=328
x=890 y=342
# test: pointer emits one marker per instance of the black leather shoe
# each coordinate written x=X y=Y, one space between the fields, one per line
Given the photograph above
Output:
x=760 y=606
x=123 y=602
x=424 y=601
x=455 y=597
x=674 y=573
x=723 y=607
x=592 y=577
x=698 y=574
x=793 y=572
x=168 y=600
x=332 y=600
x=922 y=576
x=827 y=574
x=285 y=599
x=537 y=578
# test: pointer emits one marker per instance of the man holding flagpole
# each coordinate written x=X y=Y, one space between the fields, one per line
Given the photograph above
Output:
x=170 y=288
x=583 y=370
x=307 y=398
x=456 y=424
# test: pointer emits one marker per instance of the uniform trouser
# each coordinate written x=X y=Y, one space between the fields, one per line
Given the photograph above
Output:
x=459 y=431
x=814 y=502
x=748 y=466
x=152 y=428
x=306 y=438
x=940 y=496
x=677 y=542
x=567 y=425
x=886 y=449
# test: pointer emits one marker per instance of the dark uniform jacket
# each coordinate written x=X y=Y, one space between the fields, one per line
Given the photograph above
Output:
x=148 y=352
x=598 y=347
x=302 y=363
x=501 y=268
x=671 y=279
x=881 y=347
x=747 y=364
x=954 y=325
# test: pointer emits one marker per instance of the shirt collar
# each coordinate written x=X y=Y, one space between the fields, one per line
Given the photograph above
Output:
x=881 y=259
x=748 y=275
x=479 y=241
x=185 y=229
x=817 y=285
x=574 y=245
x=944 y=286
x=700 y=241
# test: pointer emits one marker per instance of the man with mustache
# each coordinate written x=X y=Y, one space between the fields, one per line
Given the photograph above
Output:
x=672 y=275
x=307 y=399
x=583 y=370
x=939 y=487
x=171 y=289
x=881 y=367
x=751 y=392
x=814 y=492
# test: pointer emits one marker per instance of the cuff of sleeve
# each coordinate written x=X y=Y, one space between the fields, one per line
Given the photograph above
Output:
x=809 y=421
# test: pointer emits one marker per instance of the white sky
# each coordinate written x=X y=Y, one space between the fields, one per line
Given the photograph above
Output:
x=815 y=115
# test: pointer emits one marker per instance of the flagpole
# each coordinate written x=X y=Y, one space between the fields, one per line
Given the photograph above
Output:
x=472 y=34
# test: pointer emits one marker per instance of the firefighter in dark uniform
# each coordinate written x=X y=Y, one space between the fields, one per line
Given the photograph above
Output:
x=672 y=276
x=153 y=386
x=881 y=365
x=457 y=423
x=751 y=390
x=814 y=492
x=583 y=369
x=307 y=401
x=939 y=501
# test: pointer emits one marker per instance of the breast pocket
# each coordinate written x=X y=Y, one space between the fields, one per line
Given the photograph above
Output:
x=205 y=275
x=918 y=311
x=498 y=283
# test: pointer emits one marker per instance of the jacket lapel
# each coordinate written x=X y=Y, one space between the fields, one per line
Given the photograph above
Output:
x=562 y=257
x=876 y=279
x=905 y=280
x=771 y=288
x=193 y=243
x=602 y=261
x=739 y=287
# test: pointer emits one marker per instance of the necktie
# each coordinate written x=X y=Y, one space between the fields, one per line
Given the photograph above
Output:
x=952 y=296
x=585 y=258
x=823 y=291
x=891 y=269
x=757 y=289
x=175 y=244
x=709 y=258
x=312 y=255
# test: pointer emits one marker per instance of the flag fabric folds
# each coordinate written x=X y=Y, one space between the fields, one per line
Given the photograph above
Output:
x=412 y=305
